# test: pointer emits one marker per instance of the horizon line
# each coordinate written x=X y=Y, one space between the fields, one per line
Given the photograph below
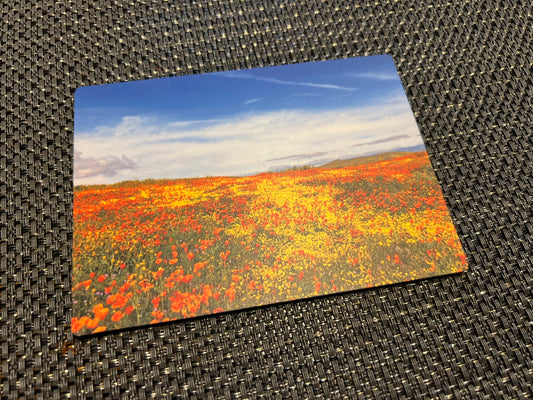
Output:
x=294 y=168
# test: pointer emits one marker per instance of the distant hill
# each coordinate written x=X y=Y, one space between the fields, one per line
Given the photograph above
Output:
x=354 y=162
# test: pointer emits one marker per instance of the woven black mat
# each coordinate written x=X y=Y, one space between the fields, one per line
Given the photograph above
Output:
x=467 y=70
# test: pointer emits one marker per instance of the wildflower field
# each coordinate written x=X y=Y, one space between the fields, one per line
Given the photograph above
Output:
x=152 y=251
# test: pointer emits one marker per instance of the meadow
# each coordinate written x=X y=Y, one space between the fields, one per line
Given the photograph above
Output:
x=153 y=251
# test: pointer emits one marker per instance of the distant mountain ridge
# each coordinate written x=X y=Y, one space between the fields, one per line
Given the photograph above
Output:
x=356 y=161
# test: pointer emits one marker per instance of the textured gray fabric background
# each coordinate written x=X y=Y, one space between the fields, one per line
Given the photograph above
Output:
x=466 y=67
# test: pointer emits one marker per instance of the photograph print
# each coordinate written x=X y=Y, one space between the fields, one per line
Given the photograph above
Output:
x=208 y=193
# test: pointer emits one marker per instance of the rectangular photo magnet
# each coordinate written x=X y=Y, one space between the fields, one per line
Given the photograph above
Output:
x=208 y=193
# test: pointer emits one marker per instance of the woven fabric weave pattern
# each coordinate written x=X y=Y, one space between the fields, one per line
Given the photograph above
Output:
x=466 y=67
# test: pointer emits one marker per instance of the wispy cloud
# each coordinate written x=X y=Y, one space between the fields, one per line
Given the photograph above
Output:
x=251 y=101
x=194 y=123
x=380 y=76
x=384 y=140
x=130 y=125
x=137 y=125
x=305 y=94
x=292 y=83
x=298 y=157
x=241 y=145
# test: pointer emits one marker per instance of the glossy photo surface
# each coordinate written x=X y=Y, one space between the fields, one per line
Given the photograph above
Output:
x=209 y=193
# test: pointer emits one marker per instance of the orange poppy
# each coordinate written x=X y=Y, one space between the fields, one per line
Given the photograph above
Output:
x=93 y=323
x=117 y=316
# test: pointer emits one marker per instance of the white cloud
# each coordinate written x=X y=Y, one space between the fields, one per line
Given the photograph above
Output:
x=186 y=124
x=382 y=140
x=130 y=125
x=305 y=94
x=298 y=157
x=291 y=83
x=251 y=101
x=244 y=144
x=106 y=166
x=380 y=76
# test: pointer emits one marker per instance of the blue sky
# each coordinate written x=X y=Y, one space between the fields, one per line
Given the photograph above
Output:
x=240 y=122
